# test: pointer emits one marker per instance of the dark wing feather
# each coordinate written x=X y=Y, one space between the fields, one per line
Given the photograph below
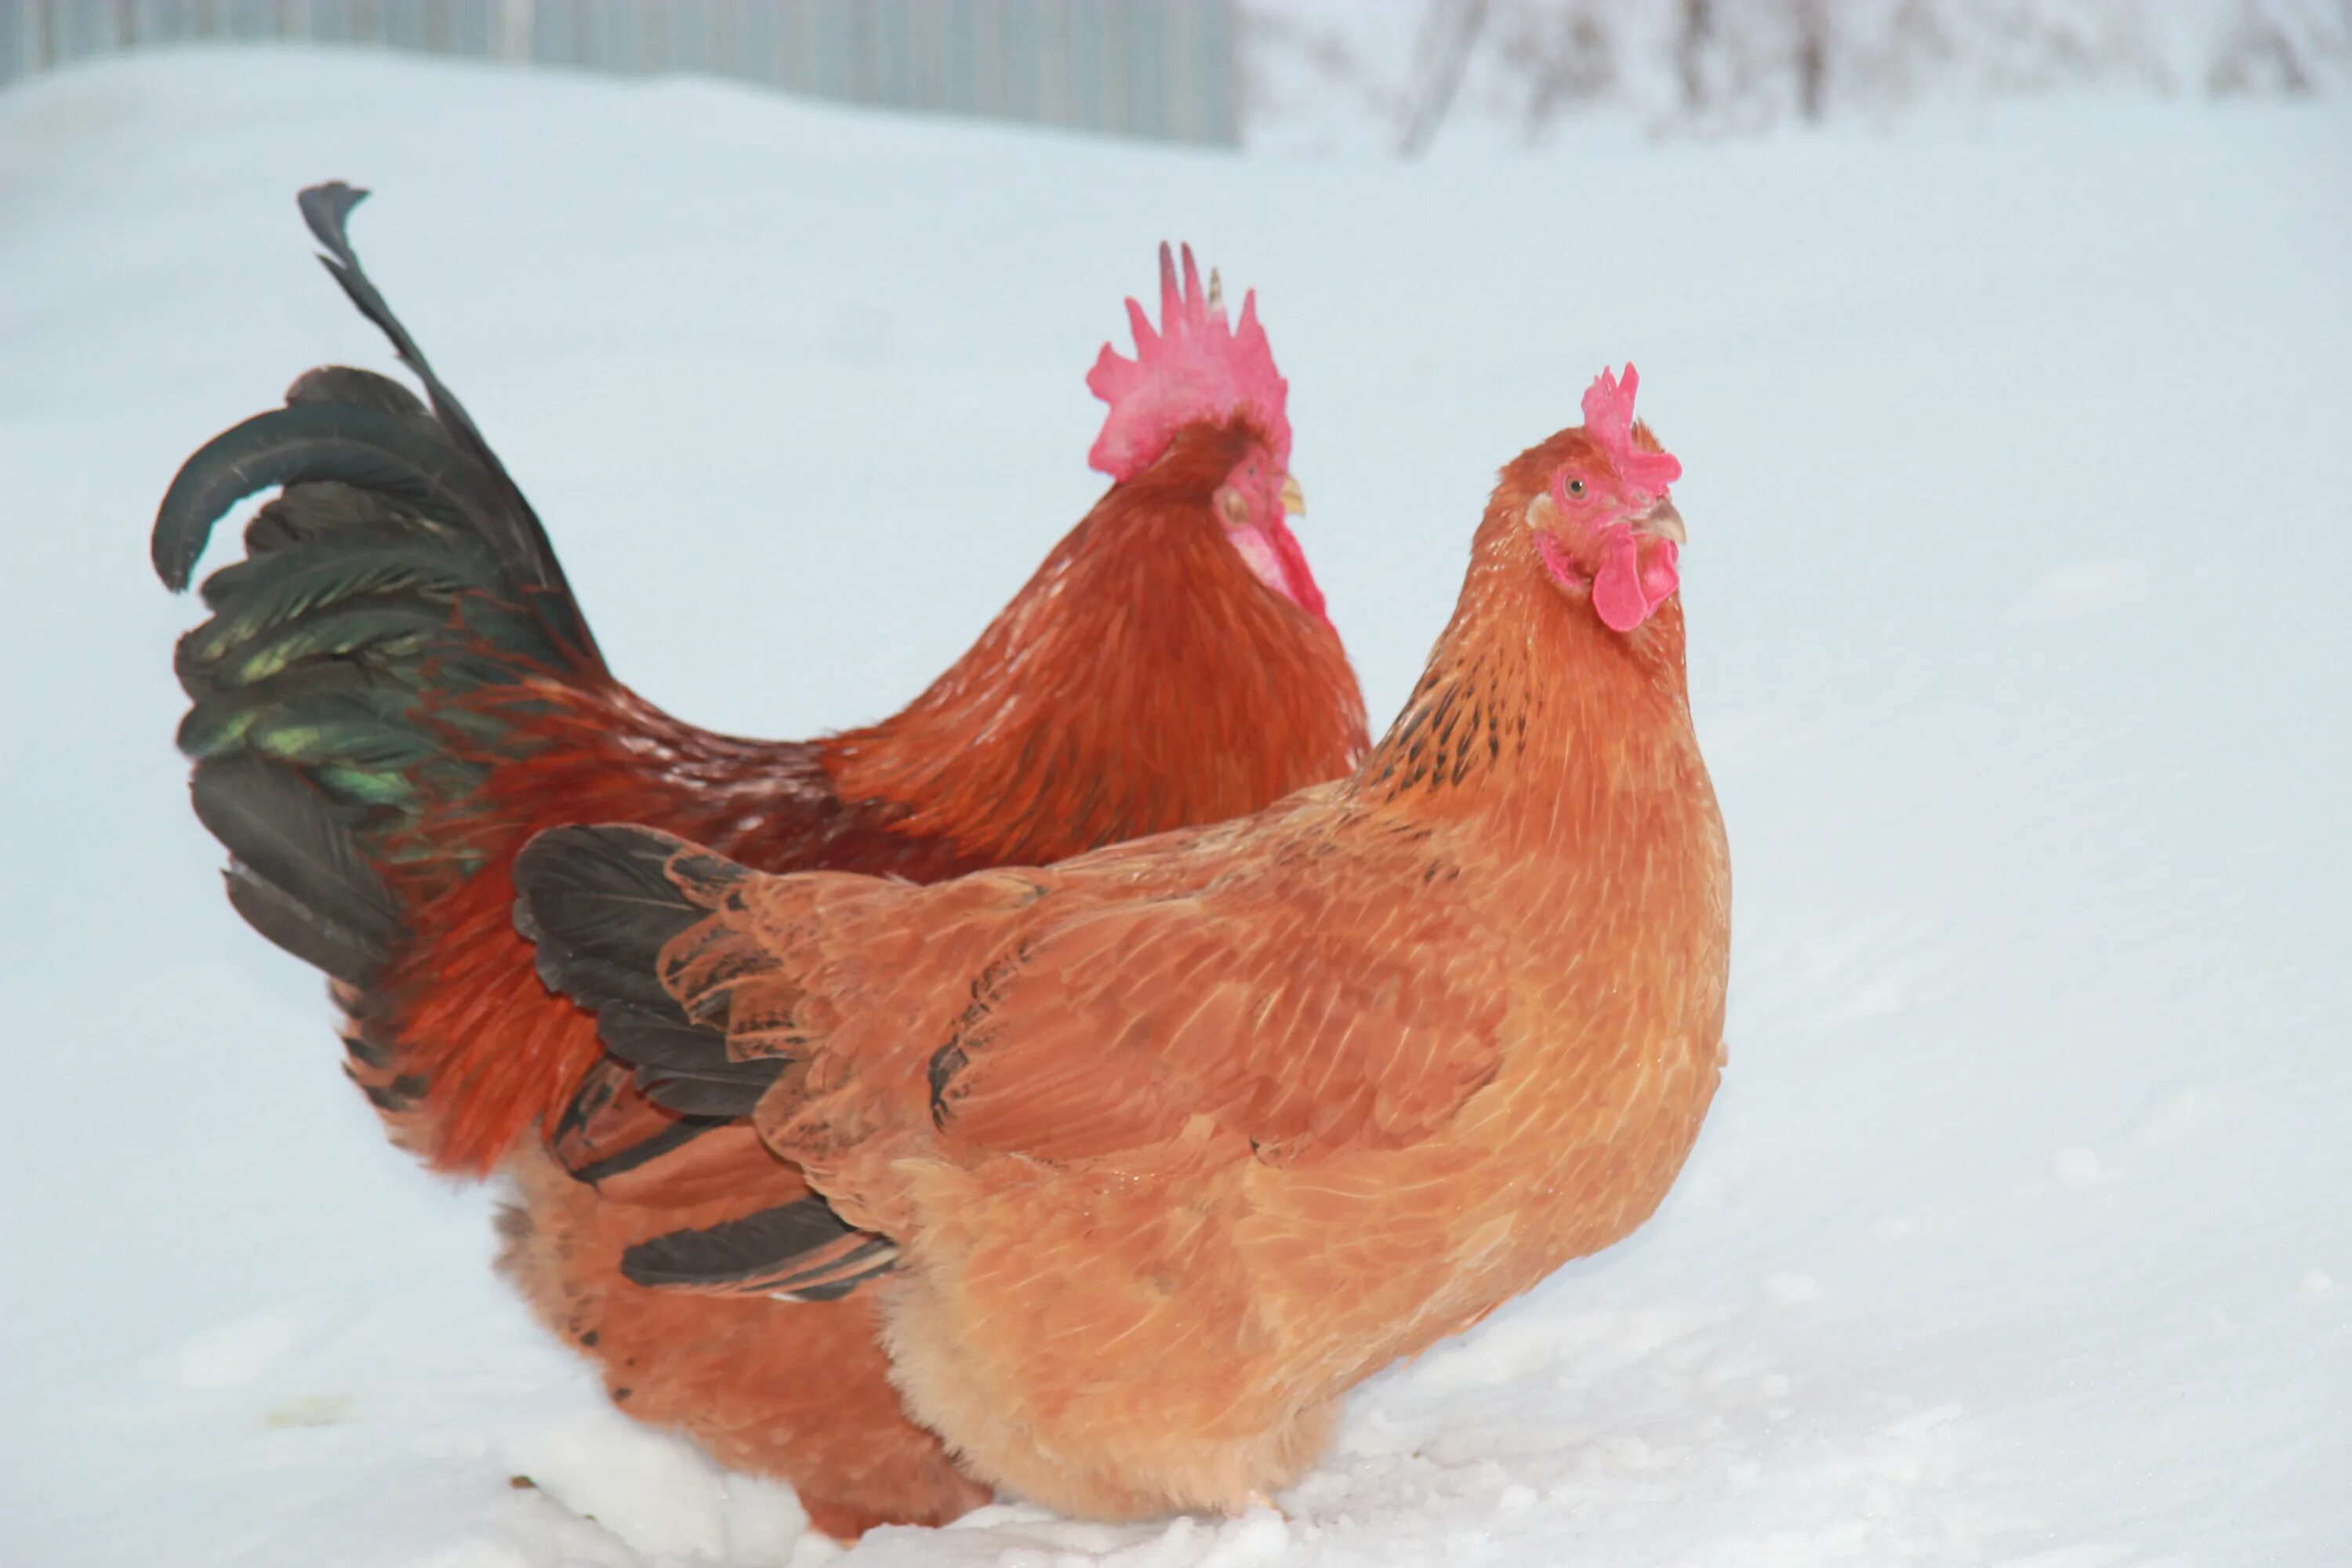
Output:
x=601 y=904
x=801 y=1248
x=610 y=1127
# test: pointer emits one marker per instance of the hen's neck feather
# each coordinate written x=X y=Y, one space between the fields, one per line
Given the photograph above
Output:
x=1533 y=720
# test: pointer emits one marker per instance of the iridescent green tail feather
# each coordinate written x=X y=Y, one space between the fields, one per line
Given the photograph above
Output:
x=399 y=570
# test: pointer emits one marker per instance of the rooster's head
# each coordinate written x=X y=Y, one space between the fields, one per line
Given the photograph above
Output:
x=1197 y=369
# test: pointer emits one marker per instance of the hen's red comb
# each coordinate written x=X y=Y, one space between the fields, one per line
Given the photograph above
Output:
x=1194 y=367
x=1609 y=420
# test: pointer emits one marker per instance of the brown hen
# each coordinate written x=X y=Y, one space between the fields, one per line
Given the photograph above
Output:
x=1147 y=1157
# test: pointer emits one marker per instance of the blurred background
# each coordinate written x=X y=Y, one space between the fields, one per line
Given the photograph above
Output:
x=1390 y=73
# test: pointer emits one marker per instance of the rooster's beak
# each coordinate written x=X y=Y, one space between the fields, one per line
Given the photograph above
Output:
x=1663 y=521
x=1294 y=499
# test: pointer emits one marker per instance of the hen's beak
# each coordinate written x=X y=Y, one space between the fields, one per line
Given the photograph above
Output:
x=1663 y=521
x=1294 y=499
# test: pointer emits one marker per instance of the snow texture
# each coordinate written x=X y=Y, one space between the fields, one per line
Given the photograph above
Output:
x=2020 y=601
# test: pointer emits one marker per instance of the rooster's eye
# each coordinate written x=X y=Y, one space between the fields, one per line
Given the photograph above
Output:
x=1576 y=487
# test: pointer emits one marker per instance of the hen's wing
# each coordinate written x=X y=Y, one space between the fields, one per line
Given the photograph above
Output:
x=1233 y=993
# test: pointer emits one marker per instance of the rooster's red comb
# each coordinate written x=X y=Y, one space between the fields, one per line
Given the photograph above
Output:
x=1194 y=367
x=1609 y=420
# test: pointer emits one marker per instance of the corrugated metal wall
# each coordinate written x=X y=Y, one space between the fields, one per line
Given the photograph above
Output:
x=1161 y=69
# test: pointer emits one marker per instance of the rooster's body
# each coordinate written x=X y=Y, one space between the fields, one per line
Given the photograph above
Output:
x=396 y=690
x=1155 y=1154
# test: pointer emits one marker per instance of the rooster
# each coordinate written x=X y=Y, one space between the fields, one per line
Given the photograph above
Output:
x=1149 y=1156
x=397 y=688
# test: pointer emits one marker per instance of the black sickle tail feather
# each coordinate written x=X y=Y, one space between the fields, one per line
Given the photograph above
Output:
x=600 y=903
x=363 y=430
x=350 y=428
x=399 y=567
x=522 y=542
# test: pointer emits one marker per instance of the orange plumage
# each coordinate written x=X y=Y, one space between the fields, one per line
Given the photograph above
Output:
x=1141 y=680
x=1174 y=1142
x=396 y=692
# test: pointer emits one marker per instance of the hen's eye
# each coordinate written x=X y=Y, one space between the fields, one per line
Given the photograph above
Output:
x=1576 y=487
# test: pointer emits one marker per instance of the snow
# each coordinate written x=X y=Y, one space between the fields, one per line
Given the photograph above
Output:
x=2021 y=649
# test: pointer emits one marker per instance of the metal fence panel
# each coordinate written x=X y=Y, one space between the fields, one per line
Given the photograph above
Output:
x=1158 y=68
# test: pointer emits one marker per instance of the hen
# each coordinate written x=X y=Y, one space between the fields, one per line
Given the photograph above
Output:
x=1152 y=1154
x=396 y=689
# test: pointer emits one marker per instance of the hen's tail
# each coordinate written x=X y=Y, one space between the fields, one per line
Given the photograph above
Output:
x=607 y=908
x=398 y=633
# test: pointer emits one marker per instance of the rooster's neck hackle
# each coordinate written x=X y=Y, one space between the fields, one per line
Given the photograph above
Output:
x=1144 y=679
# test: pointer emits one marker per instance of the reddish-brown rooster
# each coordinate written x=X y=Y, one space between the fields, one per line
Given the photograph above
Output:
x=1153 y=1155
x=395 y=690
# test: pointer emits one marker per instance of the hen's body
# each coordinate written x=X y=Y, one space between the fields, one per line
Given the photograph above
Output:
x=1266 y=1275
x=396 y=690
x=1180 y=1139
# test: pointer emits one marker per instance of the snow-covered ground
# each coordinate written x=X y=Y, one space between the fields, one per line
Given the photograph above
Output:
x=2021 y=597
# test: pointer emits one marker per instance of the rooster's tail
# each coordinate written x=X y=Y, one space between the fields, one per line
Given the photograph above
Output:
x=398 y=628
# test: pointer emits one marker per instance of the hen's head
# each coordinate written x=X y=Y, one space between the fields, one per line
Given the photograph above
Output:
x=1197 y=369
x=1603 y=524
